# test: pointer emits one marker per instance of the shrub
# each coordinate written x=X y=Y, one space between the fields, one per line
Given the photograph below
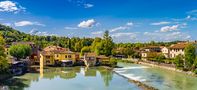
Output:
x=195 y=71
x=113 y=62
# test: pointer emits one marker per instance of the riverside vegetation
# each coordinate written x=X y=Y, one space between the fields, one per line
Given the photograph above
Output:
x=101 y=46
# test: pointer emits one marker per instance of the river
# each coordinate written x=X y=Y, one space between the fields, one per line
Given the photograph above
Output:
x=70 y=78
x=99 y=78
x=161 y=79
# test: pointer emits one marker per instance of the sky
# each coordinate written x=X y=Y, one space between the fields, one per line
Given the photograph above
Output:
x=126 y=20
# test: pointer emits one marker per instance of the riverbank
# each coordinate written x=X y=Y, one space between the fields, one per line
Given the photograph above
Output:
x=168 y=68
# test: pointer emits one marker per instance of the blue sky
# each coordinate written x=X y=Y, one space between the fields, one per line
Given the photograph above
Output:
x=126 y=20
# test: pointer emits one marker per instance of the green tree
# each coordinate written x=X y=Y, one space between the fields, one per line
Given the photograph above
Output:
x=85 y=49
x=179 y=61
x=190 y=55
x=95 y=44
x=113 y=62
x=20 y=51
x=78 y=47
x=3 y=61
x=159 y=58
x=106 y=45
x=195 y=62
x=128 y=52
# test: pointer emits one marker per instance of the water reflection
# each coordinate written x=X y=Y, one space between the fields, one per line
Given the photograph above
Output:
x=68 y=73
x=106 y=75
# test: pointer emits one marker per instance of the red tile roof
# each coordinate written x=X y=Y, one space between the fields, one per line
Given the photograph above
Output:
x=55 y=50
x=178 y=46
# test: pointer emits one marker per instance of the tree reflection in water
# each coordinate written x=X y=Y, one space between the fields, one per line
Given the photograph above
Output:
x=16 y=84
x=107 y=75
x=21 y=82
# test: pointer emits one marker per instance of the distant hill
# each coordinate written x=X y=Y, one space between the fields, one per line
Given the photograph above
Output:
x=11 y=35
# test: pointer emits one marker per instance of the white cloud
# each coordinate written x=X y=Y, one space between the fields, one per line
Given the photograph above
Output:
x=39 y=33
x=175 y=33
x=171 y=36
x=27 y=23
x=131 y=35
x=189 y=17
x=188 y=37
x=9 y=6
x=130 y=23
x=192 y=12
x=88 y=5
x=97 y=32
x=125 y=27
x=119 y=28
x=146 y=33
x=178 y=35
x=7 y=24
x=169 y=28
x=81 y=3
x=87 y=24
x=33 y=31
x=160 y=23
x=70 y=28
x=124 y=37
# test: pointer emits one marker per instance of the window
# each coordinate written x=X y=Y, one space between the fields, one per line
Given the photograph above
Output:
x=65 y=56
x=57 y=55
x=47 y=57
x=69 y=56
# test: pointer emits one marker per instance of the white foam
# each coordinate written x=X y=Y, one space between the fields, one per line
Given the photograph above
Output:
x=128 y=68
x=122 y=71
x=134 y=77
x=139 y=67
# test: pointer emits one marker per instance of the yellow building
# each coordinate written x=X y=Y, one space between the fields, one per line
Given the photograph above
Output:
x=103 y=59
x=55 y=55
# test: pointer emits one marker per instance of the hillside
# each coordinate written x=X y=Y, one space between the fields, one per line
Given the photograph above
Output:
x=11 y=35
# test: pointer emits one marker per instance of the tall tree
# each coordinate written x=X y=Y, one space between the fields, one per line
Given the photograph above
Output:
x=106 y=45
x=190 y=55
x=3 y=60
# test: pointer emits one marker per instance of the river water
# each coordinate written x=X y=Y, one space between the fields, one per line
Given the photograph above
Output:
x=99 y=78
x=70 y=78
x=161 y=79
